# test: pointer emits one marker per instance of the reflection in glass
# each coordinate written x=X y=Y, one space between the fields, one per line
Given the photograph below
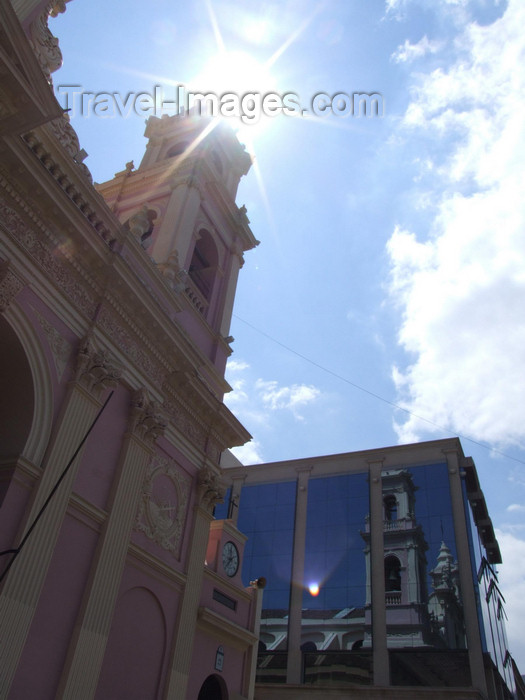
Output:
x=333 y=610
x=422 y=596
x=490 y=604
x=267 y=516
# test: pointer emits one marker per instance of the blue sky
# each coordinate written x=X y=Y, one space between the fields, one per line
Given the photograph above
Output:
x=391 y=269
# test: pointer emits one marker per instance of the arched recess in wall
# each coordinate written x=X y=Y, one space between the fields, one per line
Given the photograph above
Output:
x=392 y=574
x=134 y=658
x=177 y=150
x=390 y=507
x=26 y=398
x=213 y=688
x=204 y=263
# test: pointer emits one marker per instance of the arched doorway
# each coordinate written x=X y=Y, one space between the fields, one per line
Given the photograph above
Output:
x=213 y=688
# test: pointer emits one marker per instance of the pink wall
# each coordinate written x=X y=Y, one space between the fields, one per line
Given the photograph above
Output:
x=57 y=609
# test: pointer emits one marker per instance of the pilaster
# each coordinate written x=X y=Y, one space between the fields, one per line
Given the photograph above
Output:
x=468 y=596
x=229 y=298
x=293 y=671
x=81 y=672
x=209 y=493
x=377 y=570
x=26 y=577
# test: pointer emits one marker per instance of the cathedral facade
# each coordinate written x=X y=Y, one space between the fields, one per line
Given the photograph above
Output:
x=116 y=303
x=138 y=560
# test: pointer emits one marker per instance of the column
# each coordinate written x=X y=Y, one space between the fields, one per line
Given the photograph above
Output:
x=294 y=668
x=86 y=652
x=377 y=570
x=25 y=580
x=209 y=493
x=468 y=595
x=253 y=652
x=235 y=264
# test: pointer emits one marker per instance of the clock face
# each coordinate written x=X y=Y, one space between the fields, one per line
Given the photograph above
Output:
x=230 y=558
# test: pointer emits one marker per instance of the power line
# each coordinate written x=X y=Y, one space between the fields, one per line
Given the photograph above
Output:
x=375 y=395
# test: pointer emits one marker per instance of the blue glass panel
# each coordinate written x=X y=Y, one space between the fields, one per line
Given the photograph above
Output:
x=335 y=561
x=267 y=517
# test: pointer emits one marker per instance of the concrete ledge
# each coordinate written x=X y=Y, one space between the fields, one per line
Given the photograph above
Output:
x=270 y=691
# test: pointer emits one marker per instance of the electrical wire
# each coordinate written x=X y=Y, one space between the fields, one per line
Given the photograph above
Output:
x=374 y=395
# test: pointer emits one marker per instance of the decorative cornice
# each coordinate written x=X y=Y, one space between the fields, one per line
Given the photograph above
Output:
x=45 y=251
x=65 y=135
x=129 y=342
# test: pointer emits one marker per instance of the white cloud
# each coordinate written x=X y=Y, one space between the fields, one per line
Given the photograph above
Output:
x=516 y=508
x=462 y=291
x=292 y=397
x=237 y=365
x=407 y=52
x=512 y=580
x=249 y=453
x=457 y=10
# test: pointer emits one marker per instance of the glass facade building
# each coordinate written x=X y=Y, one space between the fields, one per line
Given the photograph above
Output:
x=380 y=569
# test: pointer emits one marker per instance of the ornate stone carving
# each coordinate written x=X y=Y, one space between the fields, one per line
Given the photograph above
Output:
x=183 y=422
x=60 y=271
x=10 y=285
x=60 y=347
x=141 y=355
x=45 y=45
x=95 y=369
x=141 y=224
x=147 y=419
x=163 y=505
x=68 y=138
x=210 y=490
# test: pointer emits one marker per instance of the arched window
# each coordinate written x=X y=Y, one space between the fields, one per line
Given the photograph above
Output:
x=390 y=506
x=392 y=574
x=203 y=265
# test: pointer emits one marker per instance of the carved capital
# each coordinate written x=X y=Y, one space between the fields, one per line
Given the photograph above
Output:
x=210 y=490
x=147 y=420
x=10 y=285
x=95 y=369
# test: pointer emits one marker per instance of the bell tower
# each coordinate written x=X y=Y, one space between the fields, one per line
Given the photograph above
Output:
x=404 y=564
x=179 y=205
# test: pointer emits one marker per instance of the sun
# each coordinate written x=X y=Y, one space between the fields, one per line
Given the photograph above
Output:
x=232 y=85
x=234 y=72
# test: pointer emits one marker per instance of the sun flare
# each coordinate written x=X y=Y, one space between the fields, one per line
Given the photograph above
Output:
x=234 y=72
x=314 y=589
